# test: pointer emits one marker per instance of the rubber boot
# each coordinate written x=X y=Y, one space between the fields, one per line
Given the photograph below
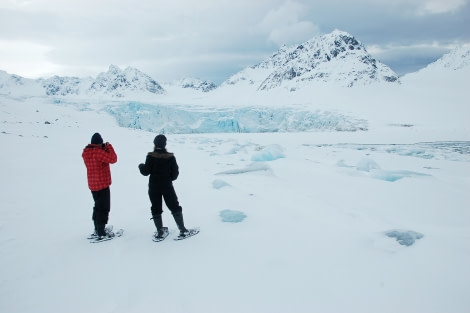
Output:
x=180 y=222
x=157 y=220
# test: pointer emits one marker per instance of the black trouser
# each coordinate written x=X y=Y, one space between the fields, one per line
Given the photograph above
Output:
x=102 y=206
x=156 y=193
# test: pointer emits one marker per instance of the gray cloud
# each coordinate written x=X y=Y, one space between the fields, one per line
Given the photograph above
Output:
x=213 y=39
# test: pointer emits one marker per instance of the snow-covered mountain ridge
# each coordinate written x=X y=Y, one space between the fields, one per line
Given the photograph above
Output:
x=113 y=83
x=453 y=66
x=337 y=58
x=456 y=59
x=191 y=83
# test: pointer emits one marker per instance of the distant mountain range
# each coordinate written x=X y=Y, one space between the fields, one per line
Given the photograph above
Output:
x=337 y=58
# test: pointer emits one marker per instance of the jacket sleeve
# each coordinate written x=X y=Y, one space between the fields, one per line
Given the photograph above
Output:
x=108 y=155
x=145 y=169
x=174 y=170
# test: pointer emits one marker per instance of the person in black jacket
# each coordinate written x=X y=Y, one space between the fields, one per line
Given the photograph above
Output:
x=163 y=170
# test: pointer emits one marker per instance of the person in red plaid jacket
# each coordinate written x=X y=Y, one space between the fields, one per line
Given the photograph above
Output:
x=97 y=157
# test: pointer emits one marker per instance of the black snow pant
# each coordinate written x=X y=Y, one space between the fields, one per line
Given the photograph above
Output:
x=102 y=206
x=156 y=193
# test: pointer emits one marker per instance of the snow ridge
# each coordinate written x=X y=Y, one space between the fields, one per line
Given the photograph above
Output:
x=456 y=59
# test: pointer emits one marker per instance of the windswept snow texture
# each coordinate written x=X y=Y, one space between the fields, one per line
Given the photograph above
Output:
x=232 y=216
x=186 y=120
x=405 y=238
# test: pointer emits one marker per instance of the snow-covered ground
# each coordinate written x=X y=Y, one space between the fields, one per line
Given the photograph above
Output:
x=290 y=221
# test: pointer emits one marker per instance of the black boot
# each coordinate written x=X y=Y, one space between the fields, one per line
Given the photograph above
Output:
x=157 y=220
x=96 y=227
x=100 y=231
x=180 y=223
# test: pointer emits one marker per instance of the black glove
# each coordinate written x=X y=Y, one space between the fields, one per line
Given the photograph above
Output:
x=143 y=170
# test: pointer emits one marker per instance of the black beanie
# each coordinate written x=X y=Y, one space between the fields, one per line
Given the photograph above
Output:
x=96 y=139
x=160 y=142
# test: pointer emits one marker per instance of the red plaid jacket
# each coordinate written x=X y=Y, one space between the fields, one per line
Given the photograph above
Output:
x=97 y=160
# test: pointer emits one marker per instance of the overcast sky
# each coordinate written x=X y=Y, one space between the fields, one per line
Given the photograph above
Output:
x=214 y=39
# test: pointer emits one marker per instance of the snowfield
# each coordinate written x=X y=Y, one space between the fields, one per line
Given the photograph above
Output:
x=373 y=219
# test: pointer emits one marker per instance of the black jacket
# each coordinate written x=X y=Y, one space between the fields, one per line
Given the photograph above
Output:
x=162 y=168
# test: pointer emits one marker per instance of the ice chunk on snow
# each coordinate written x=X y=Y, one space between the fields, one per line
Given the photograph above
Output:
x=270 y=153
x=406 y=238
x=366 y=165
x=392 y=176
x=370 y=166
x=389 y=176
x=231 y=216
x=254 y=167
x=218 y=183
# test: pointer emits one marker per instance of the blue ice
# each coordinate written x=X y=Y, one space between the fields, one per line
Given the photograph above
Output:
x=405 y=238
x=269 y=153
x=184 y=120
x=231 y=216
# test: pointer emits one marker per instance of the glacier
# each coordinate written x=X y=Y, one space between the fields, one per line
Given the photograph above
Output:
x=180 y=119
